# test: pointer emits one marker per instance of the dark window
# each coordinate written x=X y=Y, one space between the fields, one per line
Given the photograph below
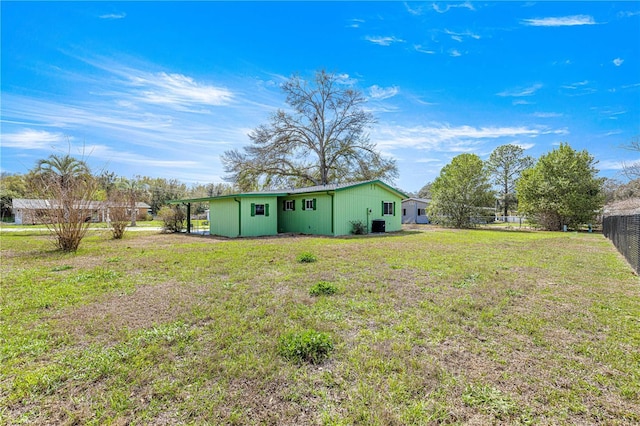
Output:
x=259 y=209
x=387 y=209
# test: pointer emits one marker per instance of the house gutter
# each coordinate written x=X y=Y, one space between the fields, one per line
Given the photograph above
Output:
x=239 y=216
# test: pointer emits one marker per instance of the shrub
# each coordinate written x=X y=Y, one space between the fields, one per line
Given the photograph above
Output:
x=306 y=257
x=306 y=346
x=323 y=287
x=172 y=218
x=358 y=227
x=118 y=214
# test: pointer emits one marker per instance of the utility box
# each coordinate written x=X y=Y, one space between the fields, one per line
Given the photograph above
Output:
x=378 y=225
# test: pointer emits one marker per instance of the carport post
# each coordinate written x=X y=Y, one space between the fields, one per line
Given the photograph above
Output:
x=188 y=218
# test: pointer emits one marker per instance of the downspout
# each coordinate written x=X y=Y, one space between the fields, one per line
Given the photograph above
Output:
x=239 y=216
x=332 y=214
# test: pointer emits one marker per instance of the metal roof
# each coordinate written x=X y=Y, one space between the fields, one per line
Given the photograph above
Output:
x=35 y=204
x=284 y=192
x=421 y=200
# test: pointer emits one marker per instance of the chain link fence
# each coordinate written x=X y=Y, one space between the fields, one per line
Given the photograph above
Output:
x=624 y=232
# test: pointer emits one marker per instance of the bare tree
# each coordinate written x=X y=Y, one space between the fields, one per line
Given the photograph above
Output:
x=425 y=191
x=118 y=212
x=67 y=188
x=632 y=170
x=322 y=139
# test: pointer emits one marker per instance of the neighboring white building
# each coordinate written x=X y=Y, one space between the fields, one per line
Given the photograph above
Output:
x=414 y=210
x=30 y=211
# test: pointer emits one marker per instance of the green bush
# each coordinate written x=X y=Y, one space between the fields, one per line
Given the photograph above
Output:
x=306 y=257
x=309 y=345
x=323 y=287
x=172 y=218
x=358 y=227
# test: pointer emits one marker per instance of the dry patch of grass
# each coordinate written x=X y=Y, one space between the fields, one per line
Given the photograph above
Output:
x=474 y=327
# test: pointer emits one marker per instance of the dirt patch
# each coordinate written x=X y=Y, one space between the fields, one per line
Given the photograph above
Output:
x=147 y=306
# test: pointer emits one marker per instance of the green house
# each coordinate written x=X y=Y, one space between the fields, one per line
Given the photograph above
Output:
x=317 y=210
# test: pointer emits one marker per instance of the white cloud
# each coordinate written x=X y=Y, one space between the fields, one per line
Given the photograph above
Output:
x=577 y=85
x=428 y=160
x=524 y=146
x=547 y=114
x=113 y=16
x=442 y=137
x=449 y=6
x=379 y=93
x=628 y=14
x=618 y=61
x=455 y=53
x=564 y=21
x=563 y=131
x=611 y=164
x=106 y=153
x=421 y=49
x=460 y=36
x=152 y=127
x=346 y=79
x=174 y=90
x=631 y=86
x=177 y=89
x=522 y=91
x=31 y=139
x=384 y=41
x=413 y=11
x=579 y=88
x=355 y=23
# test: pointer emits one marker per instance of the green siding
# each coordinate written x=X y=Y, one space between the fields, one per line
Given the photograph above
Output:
x=223 y=218
x=257 y=225
x=306 y=221
x=352 y=204
x=334 y=211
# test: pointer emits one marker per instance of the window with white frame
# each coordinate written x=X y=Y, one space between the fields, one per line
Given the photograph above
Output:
x=310 y=204
x=387 y=208
x=259 y=209
x=289 y=205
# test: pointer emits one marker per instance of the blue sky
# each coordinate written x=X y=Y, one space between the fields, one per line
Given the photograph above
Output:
x=162 y=89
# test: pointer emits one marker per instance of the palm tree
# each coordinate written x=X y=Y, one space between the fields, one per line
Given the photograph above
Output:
x=62 y=170
x=133 y=190
x=68 y=186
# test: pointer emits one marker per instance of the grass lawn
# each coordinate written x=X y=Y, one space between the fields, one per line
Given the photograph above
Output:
x=443 y=326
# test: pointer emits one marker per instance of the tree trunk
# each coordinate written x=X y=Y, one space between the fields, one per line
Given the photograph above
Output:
x=134 y=212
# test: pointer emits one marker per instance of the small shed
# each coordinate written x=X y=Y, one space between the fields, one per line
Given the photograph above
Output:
x=414 y=210
x=318 y=210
